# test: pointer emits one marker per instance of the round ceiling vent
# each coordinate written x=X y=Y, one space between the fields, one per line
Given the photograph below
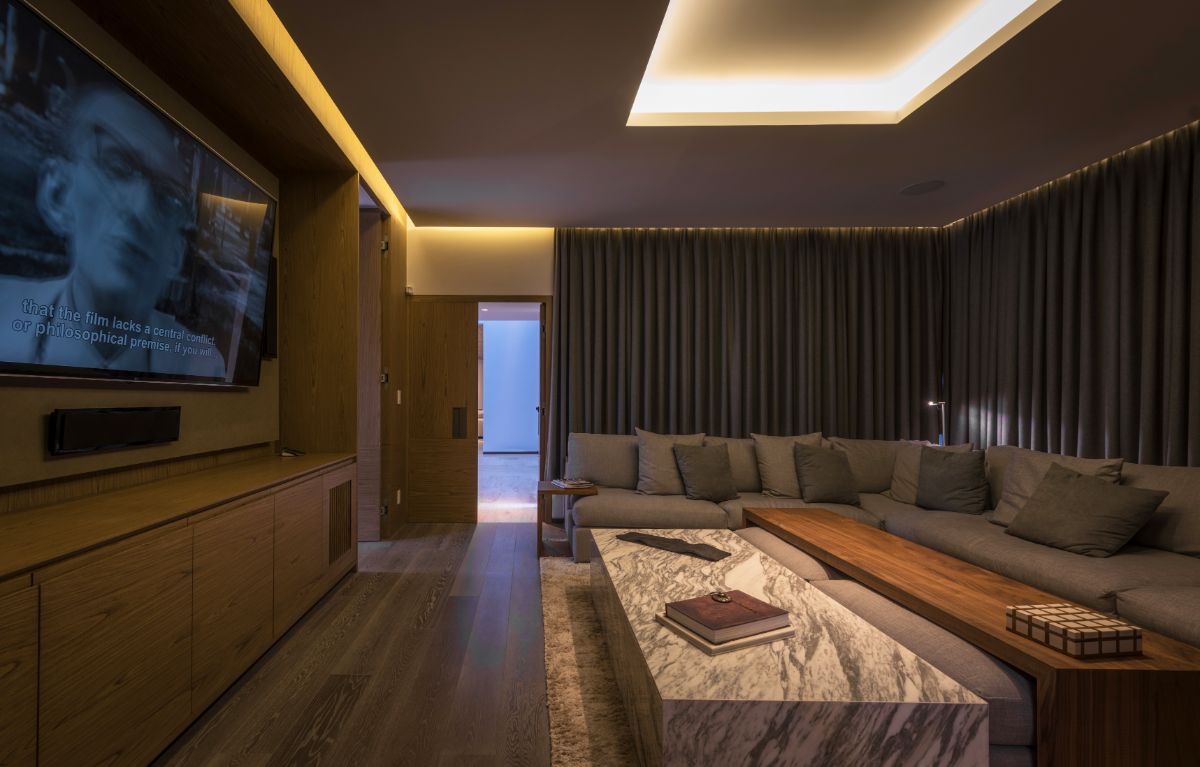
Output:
x=922 y=187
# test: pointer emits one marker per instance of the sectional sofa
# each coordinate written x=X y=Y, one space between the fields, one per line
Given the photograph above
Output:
x=1154 y=581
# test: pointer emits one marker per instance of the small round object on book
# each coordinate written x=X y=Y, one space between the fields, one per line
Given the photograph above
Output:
x=720 y=596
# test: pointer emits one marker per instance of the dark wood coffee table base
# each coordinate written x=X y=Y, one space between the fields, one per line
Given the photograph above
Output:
x=1121 y=711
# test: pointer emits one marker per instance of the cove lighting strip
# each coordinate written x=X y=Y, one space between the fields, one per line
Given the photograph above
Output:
x=666 y=101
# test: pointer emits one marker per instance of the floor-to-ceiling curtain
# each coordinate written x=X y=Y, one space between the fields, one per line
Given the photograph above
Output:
x=728 y=331
x=1073 y=318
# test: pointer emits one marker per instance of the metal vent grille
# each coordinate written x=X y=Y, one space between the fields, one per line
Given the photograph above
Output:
x=339 y=520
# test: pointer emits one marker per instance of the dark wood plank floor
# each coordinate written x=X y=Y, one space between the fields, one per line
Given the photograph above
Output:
x=431 y=654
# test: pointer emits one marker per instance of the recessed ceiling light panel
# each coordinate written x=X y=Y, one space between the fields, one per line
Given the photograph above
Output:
x=812 y=62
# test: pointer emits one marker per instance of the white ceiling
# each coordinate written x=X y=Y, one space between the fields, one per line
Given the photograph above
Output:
x=485 y=113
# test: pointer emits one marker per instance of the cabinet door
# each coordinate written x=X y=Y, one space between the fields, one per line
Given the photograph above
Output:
x=301 y=551
x=340 y=500
x=18 y=677
x=231 y=596
x=115 y=660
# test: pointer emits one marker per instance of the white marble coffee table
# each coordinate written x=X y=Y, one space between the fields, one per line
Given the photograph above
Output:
x=840 y=692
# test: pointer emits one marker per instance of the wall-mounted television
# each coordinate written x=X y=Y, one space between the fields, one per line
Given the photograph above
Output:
x=128 y=248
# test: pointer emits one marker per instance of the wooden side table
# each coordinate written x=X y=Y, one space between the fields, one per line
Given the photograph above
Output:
x=545 y=502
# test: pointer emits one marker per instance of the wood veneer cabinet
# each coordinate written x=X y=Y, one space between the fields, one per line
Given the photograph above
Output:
x=115 y=652
x=18 y=673
x=301 y=550
x=232 y=600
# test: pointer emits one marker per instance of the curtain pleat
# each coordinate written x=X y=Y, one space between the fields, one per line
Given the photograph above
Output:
x=728 y=331
x=1073 y=324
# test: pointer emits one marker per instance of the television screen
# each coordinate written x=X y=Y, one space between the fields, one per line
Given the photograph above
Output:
x=128 y=248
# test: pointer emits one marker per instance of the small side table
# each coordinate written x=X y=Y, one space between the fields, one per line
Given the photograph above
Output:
x=545 y=501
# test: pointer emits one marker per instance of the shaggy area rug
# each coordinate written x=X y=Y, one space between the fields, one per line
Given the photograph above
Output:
x=587 y=719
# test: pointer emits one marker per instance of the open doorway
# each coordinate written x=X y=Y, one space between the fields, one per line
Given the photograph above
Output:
x=510 y=383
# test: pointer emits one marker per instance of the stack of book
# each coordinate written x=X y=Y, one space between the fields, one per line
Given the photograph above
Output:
x=724 y=621
x=571 y=484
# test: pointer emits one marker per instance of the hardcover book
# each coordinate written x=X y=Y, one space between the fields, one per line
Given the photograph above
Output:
x=725 y=616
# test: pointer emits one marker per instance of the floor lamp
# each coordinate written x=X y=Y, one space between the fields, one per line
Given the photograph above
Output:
x=941 y=406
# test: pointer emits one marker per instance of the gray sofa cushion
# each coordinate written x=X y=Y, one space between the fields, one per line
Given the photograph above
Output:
x=706 y=473
x=808 y=568
x=777 y=464
x=824 y=476
x=884 y=508
x=906 y=471
x=1084 y=515
x=606 y=459
x=1176 y=524
x=1091 y=581
x=1170 y=610
x=952 y=481
x=618 y=507
x=1025 y=471
x=743 y=460
x=657 y=472
x=735 y=509
x=1008 y=693
x=872 y=461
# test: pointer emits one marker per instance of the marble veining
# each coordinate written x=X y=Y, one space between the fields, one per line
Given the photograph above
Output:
x=789 y=702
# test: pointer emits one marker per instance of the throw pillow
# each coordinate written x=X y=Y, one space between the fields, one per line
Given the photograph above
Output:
x=706 y=471
x=907 y=470
x=777 y=465
x=1086 y=515
x=657 y=473
x=952 y=481
x=743 y=460
x=1027 y=469
x=824 y=475
x=872 y=461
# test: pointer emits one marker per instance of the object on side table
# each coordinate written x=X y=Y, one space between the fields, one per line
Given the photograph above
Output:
x=571 y=484
x=1074 y=630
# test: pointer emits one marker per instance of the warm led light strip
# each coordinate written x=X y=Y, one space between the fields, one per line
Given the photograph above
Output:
x=275 y=39
x=809 y=102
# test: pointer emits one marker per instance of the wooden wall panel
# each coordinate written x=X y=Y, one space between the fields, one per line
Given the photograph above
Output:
x=115 y=656
x=393 y=414
x=232 y=604
x=318 y=317
x=18 y=677
x=370 y=366
x=301 y=551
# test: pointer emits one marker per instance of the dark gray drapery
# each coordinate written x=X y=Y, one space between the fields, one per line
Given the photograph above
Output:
x=1073 y=322
x=728 y=331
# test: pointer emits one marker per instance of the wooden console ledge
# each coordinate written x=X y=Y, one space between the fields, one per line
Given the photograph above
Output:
x=34 y=538
x=1115 y=711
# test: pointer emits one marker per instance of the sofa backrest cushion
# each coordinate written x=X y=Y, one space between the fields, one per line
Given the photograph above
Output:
x=658 y=474
x=872 y=461
x=1176 y=524
x=743 y=460
x=1027 y=468
x=906 y=475
x=777 y=463
x=606 y=459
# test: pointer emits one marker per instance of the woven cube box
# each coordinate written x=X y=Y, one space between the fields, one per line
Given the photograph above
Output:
x=1074 y=630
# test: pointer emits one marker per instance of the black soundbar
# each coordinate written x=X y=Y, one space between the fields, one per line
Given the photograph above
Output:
x=92 y=430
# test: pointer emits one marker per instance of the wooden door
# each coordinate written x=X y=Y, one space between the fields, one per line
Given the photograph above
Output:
x=371 y=375
x=231 y=596
x=18 y=676
x=443 y=444
x=115 y=655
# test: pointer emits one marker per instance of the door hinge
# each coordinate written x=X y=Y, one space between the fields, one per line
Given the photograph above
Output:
x=384 y=246
x=383 y=509
x=383 y=377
